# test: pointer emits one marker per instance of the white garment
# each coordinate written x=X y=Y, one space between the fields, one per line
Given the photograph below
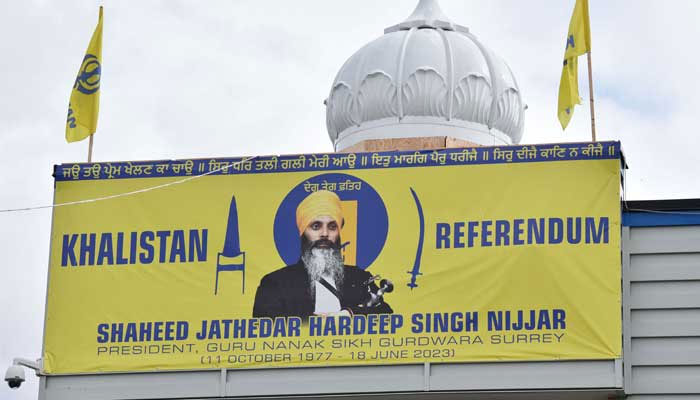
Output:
x=326 y=301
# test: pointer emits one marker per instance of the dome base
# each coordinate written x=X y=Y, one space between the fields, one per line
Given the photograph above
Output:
x=408 y=144
x=421 y=127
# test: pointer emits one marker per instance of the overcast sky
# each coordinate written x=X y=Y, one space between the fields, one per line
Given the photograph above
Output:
x=184 y=79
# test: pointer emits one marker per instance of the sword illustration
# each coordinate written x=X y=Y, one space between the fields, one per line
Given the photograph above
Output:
x=416 y=264
x=231 y=258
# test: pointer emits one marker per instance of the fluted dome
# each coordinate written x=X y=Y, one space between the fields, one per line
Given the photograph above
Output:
x=425 y=77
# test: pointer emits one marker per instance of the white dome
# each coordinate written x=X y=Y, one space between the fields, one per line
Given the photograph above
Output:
x=425 y=77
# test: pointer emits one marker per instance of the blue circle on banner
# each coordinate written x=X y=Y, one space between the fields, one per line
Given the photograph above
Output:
x=366 y=223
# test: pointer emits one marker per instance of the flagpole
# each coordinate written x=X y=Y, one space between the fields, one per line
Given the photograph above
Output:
x=590 y=68
x=590 y=91
x=90 y=148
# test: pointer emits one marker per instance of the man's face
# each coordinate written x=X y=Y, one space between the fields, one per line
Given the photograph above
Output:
x=324 y=230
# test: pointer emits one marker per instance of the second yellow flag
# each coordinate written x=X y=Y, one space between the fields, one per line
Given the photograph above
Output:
x=578 y=42
x=85 y=97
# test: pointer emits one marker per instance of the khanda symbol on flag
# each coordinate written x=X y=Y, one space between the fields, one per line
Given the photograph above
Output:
x=84 y=103
x=578 y=42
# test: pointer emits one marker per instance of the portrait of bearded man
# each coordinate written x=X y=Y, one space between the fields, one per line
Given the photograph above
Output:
x=319 y=283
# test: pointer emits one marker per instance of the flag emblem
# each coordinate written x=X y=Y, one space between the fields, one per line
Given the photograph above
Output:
x=88 y=80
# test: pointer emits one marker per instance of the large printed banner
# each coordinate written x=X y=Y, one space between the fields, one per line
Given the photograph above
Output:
x=456 y=255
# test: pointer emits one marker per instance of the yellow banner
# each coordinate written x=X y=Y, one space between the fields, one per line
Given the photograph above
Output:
x=489 y=260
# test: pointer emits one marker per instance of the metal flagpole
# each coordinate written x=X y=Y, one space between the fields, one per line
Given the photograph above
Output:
x=91 y=135
x=590 y=91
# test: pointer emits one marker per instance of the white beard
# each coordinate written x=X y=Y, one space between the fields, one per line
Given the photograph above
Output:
x=324 y=262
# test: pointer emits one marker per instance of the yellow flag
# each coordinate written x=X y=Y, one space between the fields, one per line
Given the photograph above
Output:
x=578 y=42
x=85 y=96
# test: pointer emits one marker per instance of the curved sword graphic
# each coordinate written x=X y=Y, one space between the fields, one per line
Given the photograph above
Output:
x=416 y=264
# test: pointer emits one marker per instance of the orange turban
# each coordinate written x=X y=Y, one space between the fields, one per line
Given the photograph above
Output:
x=322 y=202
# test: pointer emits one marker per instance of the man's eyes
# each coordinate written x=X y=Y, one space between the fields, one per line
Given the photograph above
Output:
x=317 y=225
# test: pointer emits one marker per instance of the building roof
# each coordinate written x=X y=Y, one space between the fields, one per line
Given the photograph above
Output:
x=671 y=212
